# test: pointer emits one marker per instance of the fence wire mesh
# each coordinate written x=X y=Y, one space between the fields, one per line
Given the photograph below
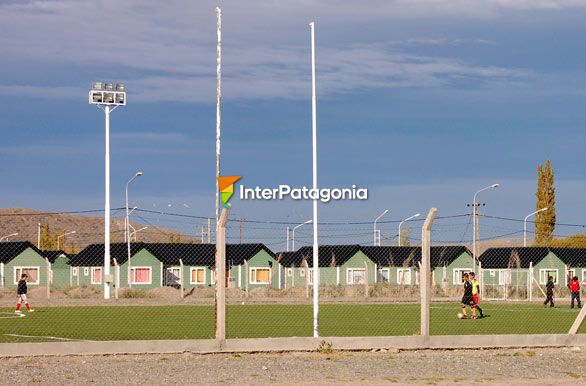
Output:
x=163 y=282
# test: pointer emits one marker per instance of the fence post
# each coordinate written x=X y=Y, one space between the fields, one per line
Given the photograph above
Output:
x=48 y=277
x=306 y=278
x=425 y=287
x=246 y=277
x=221 y=274
x=365 y=279
x=181 y=278
x=481 y=278
x=116 y=278
x=530 y=281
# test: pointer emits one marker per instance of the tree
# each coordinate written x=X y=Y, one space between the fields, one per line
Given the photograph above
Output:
x=48 y=240
x=545 y=221
x=175 y=238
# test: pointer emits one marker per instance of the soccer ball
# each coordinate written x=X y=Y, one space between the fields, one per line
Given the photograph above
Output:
x=460 y=315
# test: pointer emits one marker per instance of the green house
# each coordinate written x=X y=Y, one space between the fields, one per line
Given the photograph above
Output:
x=252 y=266
x=60 y=270
x=338 y=265
x=574 y=260
x=18 y=257
x=144 y=271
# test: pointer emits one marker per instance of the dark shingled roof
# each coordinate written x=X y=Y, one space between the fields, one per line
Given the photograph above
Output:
x=10 y=249
x=505 y=257
x=573 y=257
x=397 y=256
x=93 y=254
x=190 y=254
x=327 y=255
x=53 y=255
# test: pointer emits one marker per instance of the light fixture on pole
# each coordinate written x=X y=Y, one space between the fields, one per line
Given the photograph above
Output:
x=376 y=232
x=63 y=235
x=293 y=233
x=475 y=222
x=525 y=224
x=135 y=231
x=107 y=98
x=401 y=223
x=288 y=232
x=127 y=229
x=7 y=236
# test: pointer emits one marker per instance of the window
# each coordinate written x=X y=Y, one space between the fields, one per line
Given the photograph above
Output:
x=584 y=276
x=289 y=272
x=544 y=274
x=260 y=275
x=96 y=275
x=86 y=271
x=504 y=277
x=140 y=275
x=570 y=276
x=356 y=276
x=383 y=275
x=198 y=275
x=310 y=275
x=173 y=275
x=74 y=271
x=492 y=273
x=302 y=272
x=32 y=272
x=403 y=275
x=459 y=275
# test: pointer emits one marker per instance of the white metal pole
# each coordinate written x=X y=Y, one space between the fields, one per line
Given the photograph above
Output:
x=218 y=108
x=475 y=223
x=39 y=236
x=288 y=230
x=401 y=223
x=377 y=239
x=525 y=224
x=314 y=141
x=106 y=274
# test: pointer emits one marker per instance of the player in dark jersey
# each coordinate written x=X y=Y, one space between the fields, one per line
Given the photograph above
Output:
x=550 y=288
x=467 y=299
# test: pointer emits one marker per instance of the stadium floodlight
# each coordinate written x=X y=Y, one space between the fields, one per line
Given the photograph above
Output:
x=401 y=223
x=525 y=224
x=475 y=222
x=63 y=235
x=7 y=236
x=105 y=97
x=293 y=233
x=126 y=228
x=376 y=231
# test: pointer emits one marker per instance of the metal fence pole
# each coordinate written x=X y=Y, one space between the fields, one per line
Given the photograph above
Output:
x=425 y=287
x=221 y=274
x=181 y=278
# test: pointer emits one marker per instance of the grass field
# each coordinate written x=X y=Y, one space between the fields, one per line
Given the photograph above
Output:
x=274 y=320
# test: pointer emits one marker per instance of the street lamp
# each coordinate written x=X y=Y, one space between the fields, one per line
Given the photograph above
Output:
x=475 y=222
x=7 y=236
x=63 y=235
x=376 y=231
x=106 y=98
x=293 y=232
x=126 y=228
x=525 y=224
x=401 y=223
x=135 y=231
x=288 y=232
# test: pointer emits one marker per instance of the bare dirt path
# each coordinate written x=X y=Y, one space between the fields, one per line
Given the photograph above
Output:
x=563 y=366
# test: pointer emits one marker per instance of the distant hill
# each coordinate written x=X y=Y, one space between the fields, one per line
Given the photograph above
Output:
x=88 y=229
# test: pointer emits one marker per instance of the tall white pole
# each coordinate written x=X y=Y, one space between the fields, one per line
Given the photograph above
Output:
x=475 y=223
x=288 y=231
x=375 y=232
x=525 y=224
x=107 y=210
x=401 y=223
x=39 y=236
x=218 y=108
x=314 y=141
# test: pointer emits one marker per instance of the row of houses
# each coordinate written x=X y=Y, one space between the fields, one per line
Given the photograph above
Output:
x=251 y=266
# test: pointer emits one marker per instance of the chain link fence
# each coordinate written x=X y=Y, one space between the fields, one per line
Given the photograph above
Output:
x=165 y=289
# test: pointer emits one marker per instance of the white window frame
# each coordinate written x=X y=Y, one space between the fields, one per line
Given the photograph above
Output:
x=310 y=276
x=255 y=275
x=175 y=267
x=133 y=274
x=289 y=272
x=505 y=276
x=401 y=273
x=418 y=273
x=86 y=271
x=213 y=277
x=381 y=277
x=458 y=272
x=543 y=277
x=584 y=276
x=351 y=270
x=74 y=271
x=191 y=275
x=492 y=272
x=301 y=272
x=94 y=269
x=21 y=267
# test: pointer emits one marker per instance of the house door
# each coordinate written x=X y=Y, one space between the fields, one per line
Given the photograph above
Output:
x=173 y=276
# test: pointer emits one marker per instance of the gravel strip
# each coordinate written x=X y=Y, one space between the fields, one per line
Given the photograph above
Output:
x=560 y=366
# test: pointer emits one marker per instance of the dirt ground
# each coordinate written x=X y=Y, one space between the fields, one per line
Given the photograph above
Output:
x=561 y=366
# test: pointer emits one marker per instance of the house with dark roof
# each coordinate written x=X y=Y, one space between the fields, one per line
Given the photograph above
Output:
x=252 y=266
x=60 y=272
x=338 y=265
x=400 y=265
x=574 y=260
x=143 y=271
x=18 y=257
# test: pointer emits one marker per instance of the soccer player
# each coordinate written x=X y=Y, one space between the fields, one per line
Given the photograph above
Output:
x=575 y=288
x=476 y=292
x=21 y=291
x=550 y=288
x=467 y=298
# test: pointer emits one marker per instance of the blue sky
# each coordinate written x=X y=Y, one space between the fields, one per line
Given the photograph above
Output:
x=422 y=102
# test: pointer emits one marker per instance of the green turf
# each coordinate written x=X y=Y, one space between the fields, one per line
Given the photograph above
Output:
x=263 y=320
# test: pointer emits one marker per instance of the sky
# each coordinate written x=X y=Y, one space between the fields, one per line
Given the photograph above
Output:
x=423 y=102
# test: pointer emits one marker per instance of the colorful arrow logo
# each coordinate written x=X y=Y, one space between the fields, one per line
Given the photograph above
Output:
x=226 y=185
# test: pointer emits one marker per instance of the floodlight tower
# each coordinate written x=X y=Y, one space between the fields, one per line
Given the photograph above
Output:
x=108 y=99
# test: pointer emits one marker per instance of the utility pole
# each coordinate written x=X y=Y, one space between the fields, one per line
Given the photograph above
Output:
x=240 y=230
